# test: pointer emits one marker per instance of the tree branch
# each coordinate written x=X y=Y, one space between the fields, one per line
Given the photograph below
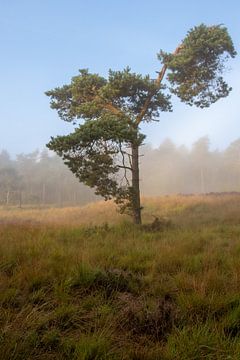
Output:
x=110 y=106
x=158 y=83
x=113 y=109
x=124 y=167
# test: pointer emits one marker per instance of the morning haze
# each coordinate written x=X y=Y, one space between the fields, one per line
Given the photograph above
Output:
x=43 y=179
x=119 y=218
x=45 y=43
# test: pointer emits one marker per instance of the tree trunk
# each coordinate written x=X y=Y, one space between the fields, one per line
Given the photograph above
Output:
x=20 y=199
x=136 y=203
x=7 y=198
x=202 y=182
x=43 y=193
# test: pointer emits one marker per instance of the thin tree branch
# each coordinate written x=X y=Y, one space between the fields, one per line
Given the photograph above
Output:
x=130 y=159
x=109 y=106
x=124 y=167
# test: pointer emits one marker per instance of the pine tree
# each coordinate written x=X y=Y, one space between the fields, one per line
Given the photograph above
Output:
x=103 y=151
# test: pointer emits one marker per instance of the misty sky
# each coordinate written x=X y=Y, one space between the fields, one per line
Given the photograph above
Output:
x=44 y=43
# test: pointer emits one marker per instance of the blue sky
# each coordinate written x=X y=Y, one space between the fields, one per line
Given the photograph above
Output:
x=44 y=43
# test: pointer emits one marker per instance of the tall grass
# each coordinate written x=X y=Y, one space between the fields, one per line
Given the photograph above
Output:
x=74 y=287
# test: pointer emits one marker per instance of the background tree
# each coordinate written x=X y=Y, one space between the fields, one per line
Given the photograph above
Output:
x=103 y=151
x=168 y=169
x=9 y=182
x=5 y=160
x=231 y=164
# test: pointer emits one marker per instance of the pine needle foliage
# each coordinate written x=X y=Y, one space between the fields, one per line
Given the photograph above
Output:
x=103 y=151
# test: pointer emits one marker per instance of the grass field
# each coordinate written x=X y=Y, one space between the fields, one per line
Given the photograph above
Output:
x=85 y=284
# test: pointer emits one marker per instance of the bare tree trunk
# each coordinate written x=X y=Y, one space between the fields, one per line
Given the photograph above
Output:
x=7 y=198
x=20 y=199
x=136 y=202
x=43 y=193
x=59 y=196
x=202 y=182
x=75 y=198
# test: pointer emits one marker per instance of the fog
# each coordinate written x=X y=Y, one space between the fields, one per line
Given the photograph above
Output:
x=40 y=178
x=177 y=169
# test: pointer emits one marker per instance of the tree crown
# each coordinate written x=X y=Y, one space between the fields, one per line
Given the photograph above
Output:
x=195 y=73
x=123 y=94
x=113 y=108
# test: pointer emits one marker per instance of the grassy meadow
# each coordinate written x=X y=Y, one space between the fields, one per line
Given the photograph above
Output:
x=85 y=284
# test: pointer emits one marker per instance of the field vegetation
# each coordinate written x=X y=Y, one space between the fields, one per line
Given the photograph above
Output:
x=84 y=283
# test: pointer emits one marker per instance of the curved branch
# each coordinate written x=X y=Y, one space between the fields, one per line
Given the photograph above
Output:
x=124 y=167
x=158 y=83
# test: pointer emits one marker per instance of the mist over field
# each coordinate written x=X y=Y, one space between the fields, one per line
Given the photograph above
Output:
x=119 y=180
x=41 y=178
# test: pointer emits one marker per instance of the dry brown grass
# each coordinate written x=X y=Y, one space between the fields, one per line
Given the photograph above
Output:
x=72 y=290
x=175 y=206
x=93 y=213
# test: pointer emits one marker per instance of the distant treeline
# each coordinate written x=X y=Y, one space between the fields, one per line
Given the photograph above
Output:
x=171 y=169
x=40 y=178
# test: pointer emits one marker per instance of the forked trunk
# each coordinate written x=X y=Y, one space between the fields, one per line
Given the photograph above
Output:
x=136 y=203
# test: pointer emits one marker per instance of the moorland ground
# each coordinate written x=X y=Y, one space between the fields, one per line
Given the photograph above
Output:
x=83 y=283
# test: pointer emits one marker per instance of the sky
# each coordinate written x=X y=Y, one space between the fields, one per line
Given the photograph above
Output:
x=44 y=43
